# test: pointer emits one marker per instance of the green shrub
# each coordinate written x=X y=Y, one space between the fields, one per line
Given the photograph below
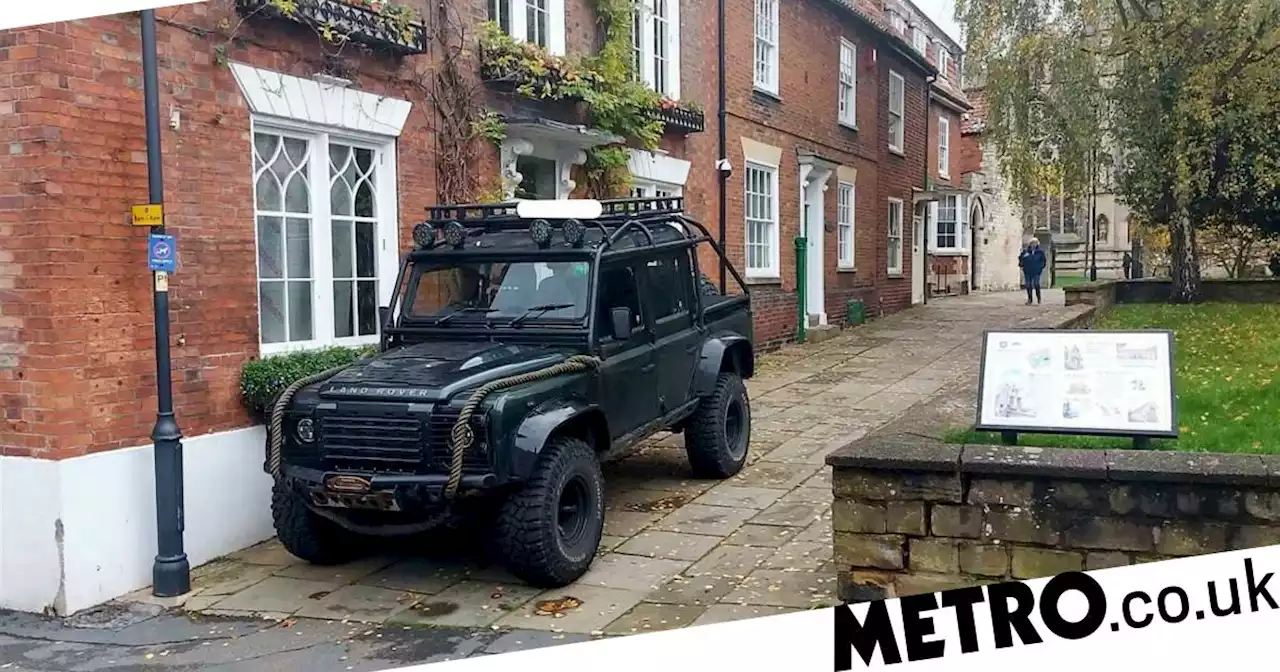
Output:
x=262 y=380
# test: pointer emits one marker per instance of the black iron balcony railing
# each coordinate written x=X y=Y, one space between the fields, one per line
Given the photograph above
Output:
x=375 y=29
x=681 y=119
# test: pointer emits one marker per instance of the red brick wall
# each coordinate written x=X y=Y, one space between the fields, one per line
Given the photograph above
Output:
x=969 y=158
x=938 y=111
x=804 y=117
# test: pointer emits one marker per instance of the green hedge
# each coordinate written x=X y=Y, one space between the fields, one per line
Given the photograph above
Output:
x=262 y=380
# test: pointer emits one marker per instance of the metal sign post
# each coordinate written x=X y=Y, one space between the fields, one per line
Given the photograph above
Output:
x=171 y=572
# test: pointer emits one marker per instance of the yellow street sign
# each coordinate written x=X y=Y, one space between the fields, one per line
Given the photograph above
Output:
x=148 y=215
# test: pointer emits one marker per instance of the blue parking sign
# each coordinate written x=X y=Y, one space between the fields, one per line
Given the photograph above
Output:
x=162 y=253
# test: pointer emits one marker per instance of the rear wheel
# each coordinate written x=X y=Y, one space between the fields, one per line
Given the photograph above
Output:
x=306 y=534
x=548 y=531
x=719 y=432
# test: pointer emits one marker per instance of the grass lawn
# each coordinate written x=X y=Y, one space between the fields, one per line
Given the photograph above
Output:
x=1227 y=358
x=1068 y=280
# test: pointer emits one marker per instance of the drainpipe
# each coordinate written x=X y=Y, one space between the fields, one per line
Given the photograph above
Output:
x=722 y=166
x=802 y=258
x=924 y=212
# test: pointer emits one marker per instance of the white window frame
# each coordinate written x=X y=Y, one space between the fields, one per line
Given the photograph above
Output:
x=898 y=22
x=644 y=45
x=920 y=40
x=766 y=59
x=960 y=237
x=652 y=189
x=848 y=84
x=944 y=62
x=518 y=19
x=846 y=242
x=897 y=113
x=944 y=148
x=772 y=249
x=891 y=238
x=386 y=261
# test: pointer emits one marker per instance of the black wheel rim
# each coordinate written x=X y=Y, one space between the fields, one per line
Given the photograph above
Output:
x=735 y=429
x=573 y=511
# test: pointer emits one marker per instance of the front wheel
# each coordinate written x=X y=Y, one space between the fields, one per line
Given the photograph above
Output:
x=548 y=531
x=306 y=534
x=719 y=431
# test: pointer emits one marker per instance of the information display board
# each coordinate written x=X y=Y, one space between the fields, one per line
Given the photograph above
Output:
x=1108 y=383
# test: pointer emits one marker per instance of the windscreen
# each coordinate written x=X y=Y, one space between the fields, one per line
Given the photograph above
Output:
x=504 y=291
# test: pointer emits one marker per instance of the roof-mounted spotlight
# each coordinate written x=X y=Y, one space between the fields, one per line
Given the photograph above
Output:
x=424 y=235
x=574 y=232
x=455 y=234
x=540 y=230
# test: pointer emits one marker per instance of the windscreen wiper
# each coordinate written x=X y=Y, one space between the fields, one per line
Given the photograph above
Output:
x=538 y=310
x=468 y=309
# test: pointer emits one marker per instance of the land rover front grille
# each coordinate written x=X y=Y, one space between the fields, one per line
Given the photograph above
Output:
x=438 y=433
x=399 y=444
x=372 y=443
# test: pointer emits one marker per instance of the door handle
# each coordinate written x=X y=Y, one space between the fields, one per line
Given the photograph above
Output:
x=647 y=368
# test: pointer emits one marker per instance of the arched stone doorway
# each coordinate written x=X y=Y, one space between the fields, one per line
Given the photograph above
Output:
x=977 y=224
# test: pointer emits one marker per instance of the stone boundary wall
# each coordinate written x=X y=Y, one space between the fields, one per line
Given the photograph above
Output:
x=912 y=515
x=1104 y=293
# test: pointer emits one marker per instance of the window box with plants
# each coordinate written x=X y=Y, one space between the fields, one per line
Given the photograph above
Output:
x=376 y=24
x=680 y=117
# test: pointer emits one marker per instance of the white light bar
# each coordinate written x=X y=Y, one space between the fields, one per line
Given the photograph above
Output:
x=568 y=208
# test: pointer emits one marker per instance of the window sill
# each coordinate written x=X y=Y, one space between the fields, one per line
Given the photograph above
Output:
x=944 y=176
x=895 y=275
x=763 y=280
x=899 y=152
x=846 y=269
x=848 y=125
x=949 y=252
x=773 y=96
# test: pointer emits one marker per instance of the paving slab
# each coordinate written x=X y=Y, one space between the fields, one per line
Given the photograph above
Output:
x=417 y=575
x=739 y=496
x=669 y=545
x=655 y=617
x=796 y=589
x=361 y=604
x=726 y=613
x=770 y=536
x=631 y=572
x=470 y=604
x=727 y=561
x=277 y=594
x=597 y=608
x=701 y=591
x=716 y=521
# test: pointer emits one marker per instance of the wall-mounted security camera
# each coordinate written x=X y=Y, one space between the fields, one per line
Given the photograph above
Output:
x=724 y=167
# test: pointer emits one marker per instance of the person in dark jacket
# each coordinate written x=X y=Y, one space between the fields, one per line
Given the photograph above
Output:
x=1032 y=262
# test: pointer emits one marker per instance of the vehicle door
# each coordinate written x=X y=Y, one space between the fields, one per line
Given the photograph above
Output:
x=668 y=288
x=627 y=378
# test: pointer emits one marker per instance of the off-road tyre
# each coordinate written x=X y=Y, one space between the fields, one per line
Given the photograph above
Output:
x=306 y=534
x=531 y=536
x=718 y=434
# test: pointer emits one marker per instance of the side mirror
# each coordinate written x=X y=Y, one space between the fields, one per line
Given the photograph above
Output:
x=621 y=323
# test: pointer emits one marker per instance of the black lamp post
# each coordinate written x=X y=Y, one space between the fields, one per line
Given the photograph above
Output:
x=171 y=572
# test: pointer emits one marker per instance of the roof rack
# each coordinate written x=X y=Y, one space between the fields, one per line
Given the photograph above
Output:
x=504 y=215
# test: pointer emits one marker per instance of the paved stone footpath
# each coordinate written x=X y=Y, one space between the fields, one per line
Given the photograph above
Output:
x=676 y=551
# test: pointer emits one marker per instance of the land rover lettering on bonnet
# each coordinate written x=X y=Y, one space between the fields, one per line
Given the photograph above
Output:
x=526 y=344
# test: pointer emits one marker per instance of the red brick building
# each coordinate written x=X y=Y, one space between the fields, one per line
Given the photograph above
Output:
x=950 y=206
x=293 y=170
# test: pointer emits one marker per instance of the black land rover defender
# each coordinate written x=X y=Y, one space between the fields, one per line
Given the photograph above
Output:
x=518 y=353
